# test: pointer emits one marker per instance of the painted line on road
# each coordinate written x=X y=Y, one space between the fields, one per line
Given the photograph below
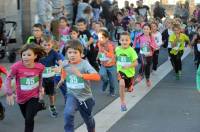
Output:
x=107 y=117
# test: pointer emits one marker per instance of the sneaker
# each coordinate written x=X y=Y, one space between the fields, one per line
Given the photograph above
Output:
x=148 y=82
x=2 y=112
x=130 y=89
x=123 y=107
x=139 y=78
x=112 y=94
x=53 y=111
x=179 y=73
x=41 y=105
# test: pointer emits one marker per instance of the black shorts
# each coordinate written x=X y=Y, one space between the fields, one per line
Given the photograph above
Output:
x=49 y=85
x=127 y=80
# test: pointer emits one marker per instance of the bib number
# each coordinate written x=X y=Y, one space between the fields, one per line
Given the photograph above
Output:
x=74 y=82
x=48 y=72
x=145 y=50
x=123 y=60
x=65 y=38
x=29 y=83
x=102 y=57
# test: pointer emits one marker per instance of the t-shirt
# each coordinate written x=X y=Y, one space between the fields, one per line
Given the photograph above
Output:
x=158 y=39
x=84 y=37
x=77 y=86
x=142 y=11
x=49 y=62
x=64 y=35
x=28 y=81
x=126 y=57
x=180 y=44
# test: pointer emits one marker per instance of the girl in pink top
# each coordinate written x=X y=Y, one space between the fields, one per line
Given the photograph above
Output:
x=147 y=47
x=28 y=76
x=64 y=33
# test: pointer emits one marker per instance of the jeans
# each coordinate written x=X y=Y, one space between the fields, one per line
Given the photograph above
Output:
x=85 y=109
x=109 y=76
x=29 y=110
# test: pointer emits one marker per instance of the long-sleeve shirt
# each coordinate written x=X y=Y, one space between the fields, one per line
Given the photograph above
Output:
x=77 y=86
x=147 y=44
x=158 y=39
x=106 y=54
x=28 y=81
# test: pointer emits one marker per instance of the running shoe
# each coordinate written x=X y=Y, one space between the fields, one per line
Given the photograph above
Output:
x=130 y=89
x=123 y=107
x=148 y=82
x=139 y=78
x=53 y=111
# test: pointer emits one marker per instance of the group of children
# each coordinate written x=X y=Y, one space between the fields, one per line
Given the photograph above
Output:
x=81 y=55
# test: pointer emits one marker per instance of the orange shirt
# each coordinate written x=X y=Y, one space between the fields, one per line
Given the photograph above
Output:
x=108 y=49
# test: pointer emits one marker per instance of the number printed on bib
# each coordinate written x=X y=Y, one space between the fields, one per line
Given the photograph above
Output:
x=145 y=50
x=74 y=82
x=48 y=72
x=65 y=38
x=103 y=57
x=29 y=83
x=123 y=61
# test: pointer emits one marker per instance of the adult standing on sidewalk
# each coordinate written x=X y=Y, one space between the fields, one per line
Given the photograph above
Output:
x=158 y=11
x=142 y=10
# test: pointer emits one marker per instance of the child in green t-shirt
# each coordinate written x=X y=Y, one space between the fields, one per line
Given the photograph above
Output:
x=126 y=63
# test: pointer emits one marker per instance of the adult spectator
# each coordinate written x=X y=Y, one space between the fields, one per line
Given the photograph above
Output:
x=177 y=10
x=142 y=10
x=82 y=8
x=69 y=10
x=158 y=11
x=44 y=11
x=184 y=14
x=96 y=7
x=107 y=11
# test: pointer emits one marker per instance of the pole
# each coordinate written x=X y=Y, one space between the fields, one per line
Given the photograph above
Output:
x=25 y=19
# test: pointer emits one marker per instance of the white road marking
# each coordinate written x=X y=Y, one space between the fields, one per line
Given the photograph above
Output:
x=107 y=117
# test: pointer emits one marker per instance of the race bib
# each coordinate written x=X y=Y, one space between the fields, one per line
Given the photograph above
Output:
x=103 y=57
x=65 y=38
x=48 y=72
x=74 y=82
x=123 y=61
x=29 y=83
x=177 y=46
x=145 y=50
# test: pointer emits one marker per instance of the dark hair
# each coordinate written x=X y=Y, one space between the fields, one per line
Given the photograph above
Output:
x=63 y=18
x=146 y=24
x=38 y=25
x=125 y=33
x=74 y=28
x=81 y=20
x=105 y=33
x=74 y=44
x=37 y=49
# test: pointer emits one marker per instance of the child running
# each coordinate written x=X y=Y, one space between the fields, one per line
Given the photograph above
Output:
x=49 y=62
x=64 y=33
x=177 y=40
x=37 y=34
x=2 y=109
x=29 y=90
x=158 y=39
x=77 y=74
x=108 y=70
x=126 y=63
x=147 y=47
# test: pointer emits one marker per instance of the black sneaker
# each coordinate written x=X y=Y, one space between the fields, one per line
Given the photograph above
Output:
x=2 y=112
x=53 y=111
x=41 y=105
